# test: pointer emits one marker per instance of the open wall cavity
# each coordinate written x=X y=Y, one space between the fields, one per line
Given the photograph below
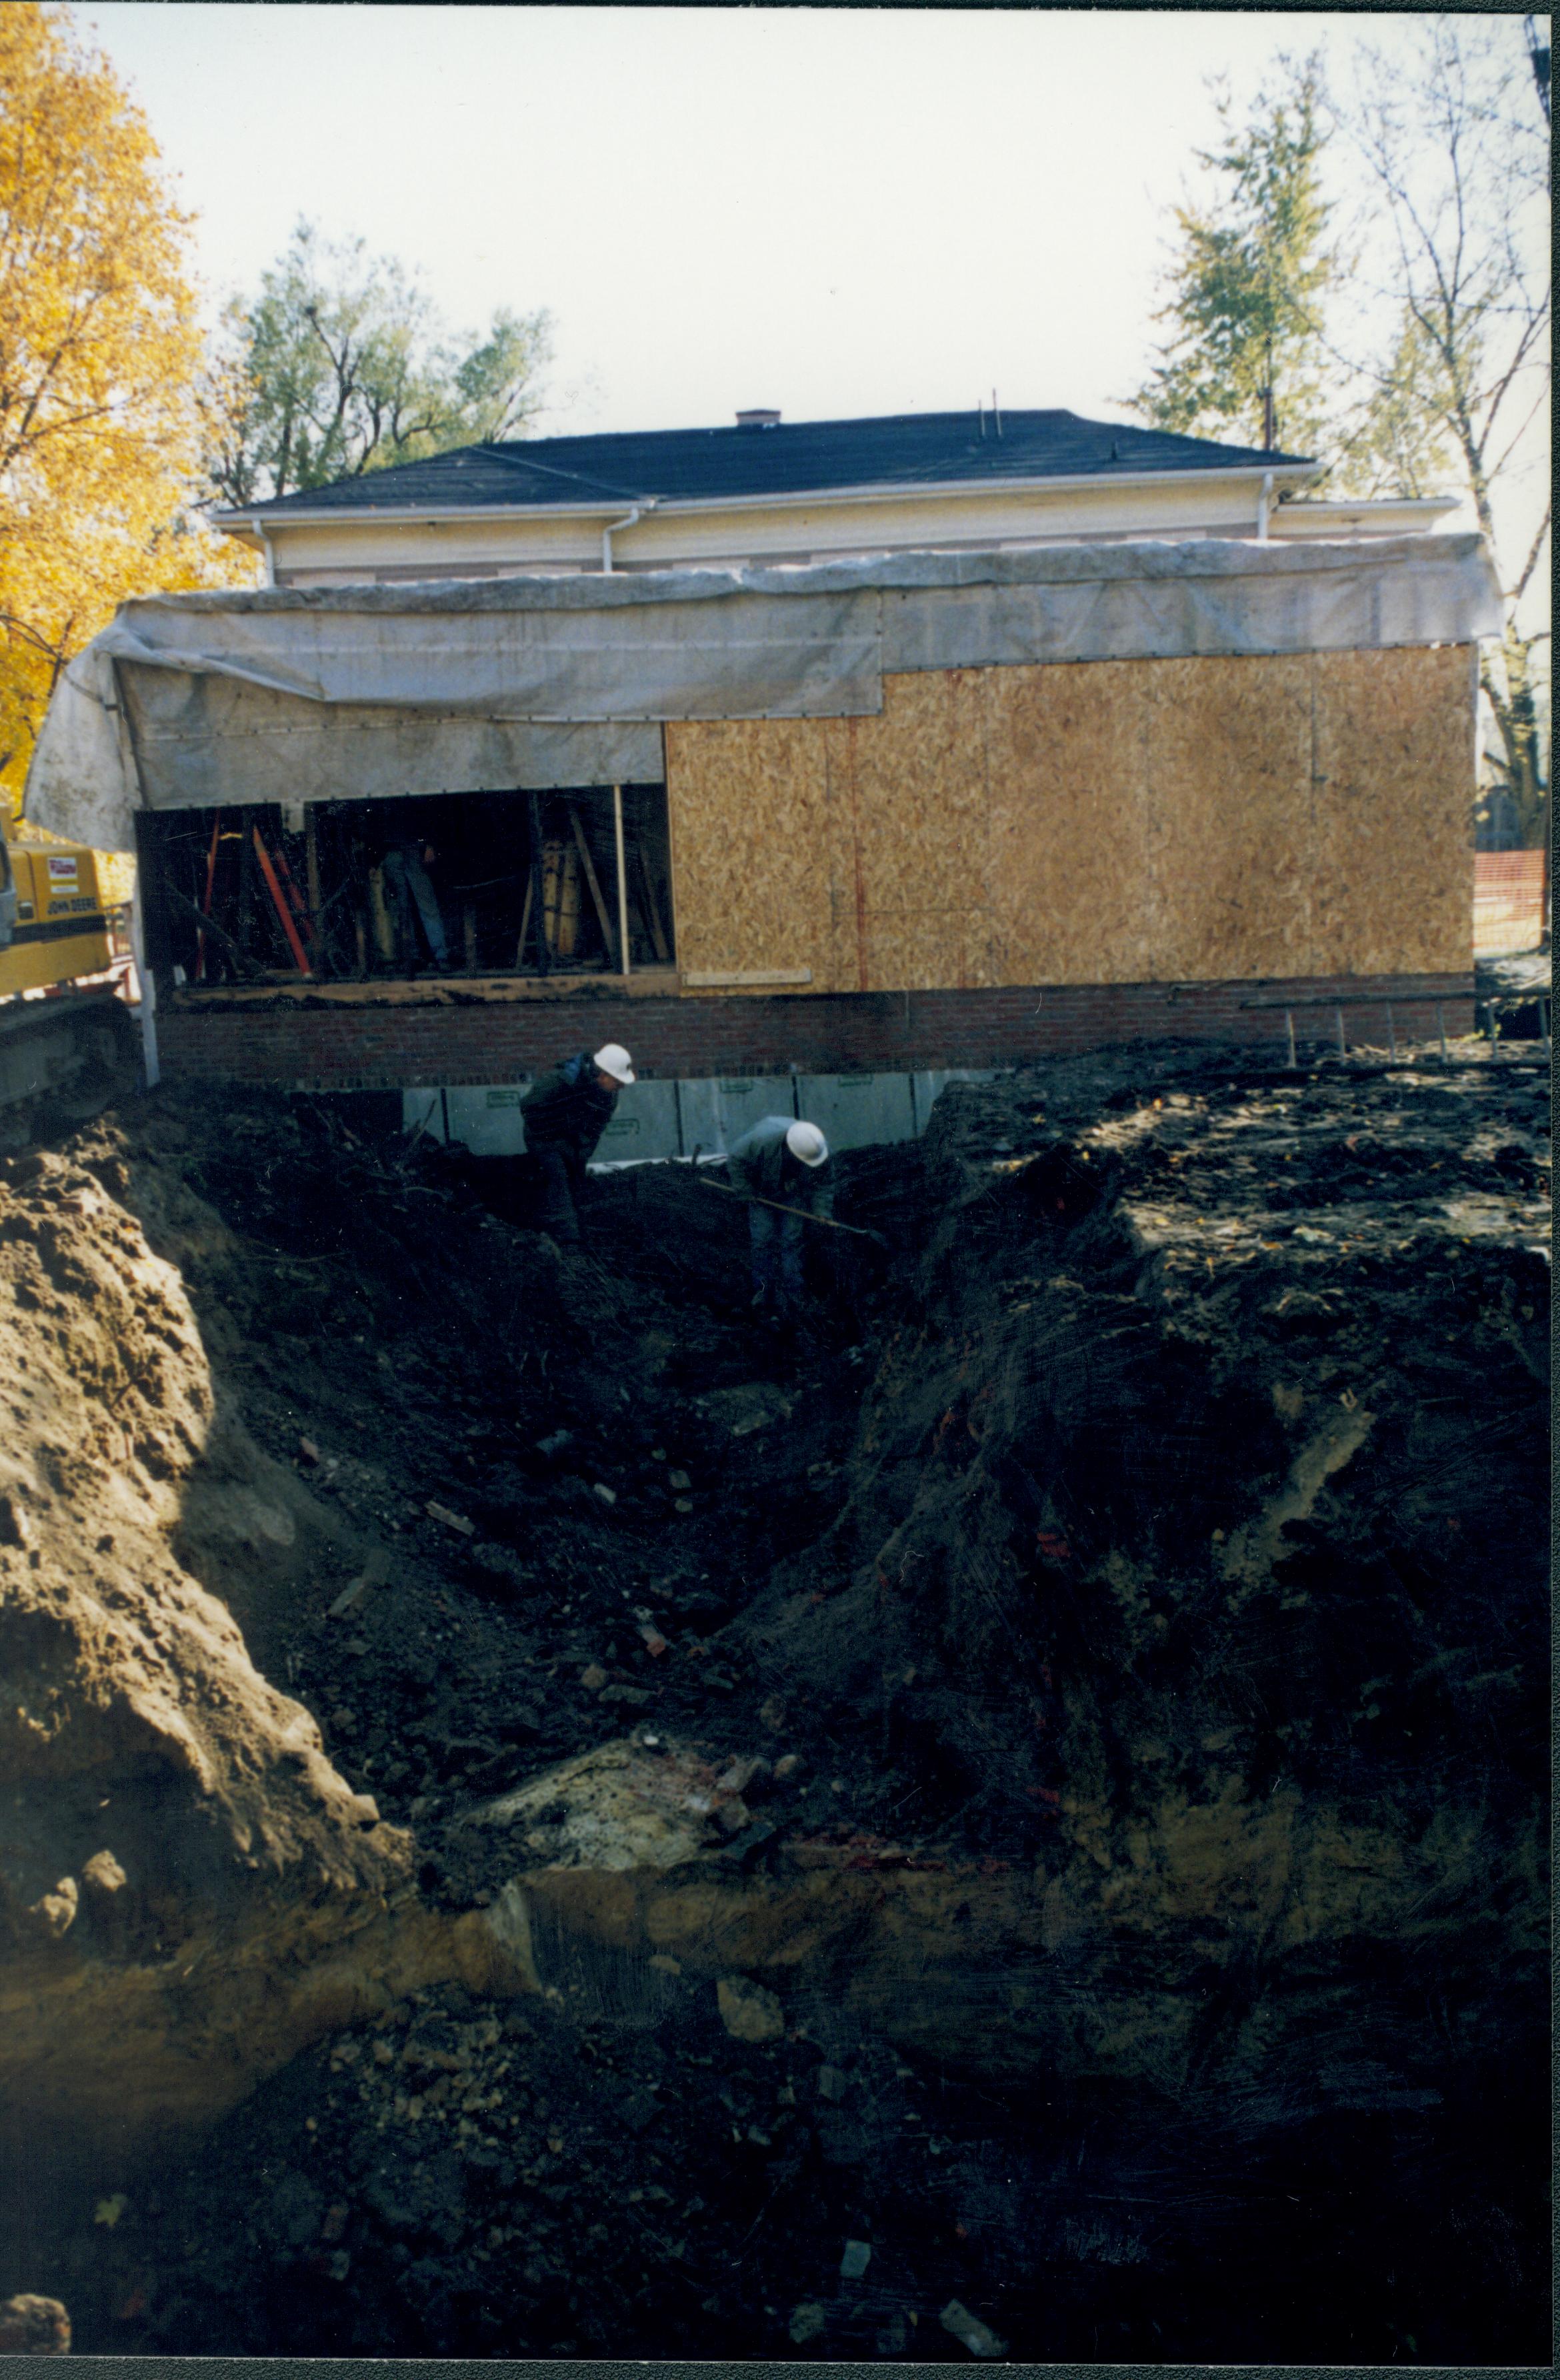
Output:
x=573 y=881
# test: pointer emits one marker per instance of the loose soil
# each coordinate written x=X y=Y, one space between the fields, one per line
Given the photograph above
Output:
x=1160 y=1523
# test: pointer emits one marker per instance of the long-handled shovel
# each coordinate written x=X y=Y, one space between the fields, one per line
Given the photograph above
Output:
x=857 y=1231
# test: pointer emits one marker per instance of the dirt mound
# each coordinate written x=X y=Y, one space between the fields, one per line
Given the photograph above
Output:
x=1196 y=1553
x=171 y=1815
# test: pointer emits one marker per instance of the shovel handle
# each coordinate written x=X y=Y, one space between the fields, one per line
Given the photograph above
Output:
x=749 y=1198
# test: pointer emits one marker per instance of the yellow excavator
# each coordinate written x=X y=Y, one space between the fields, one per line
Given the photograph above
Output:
x=71 y=1046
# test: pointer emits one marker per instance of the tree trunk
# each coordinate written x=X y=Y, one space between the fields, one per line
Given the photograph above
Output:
x=1516 y=719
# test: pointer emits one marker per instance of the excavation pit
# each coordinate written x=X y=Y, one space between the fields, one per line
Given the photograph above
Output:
x=1043 y=1778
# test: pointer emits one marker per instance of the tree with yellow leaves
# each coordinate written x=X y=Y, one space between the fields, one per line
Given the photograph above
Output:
x=100 y=361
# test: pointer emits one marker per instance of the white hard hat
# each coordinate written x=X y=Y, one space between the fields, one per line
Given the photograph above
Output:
x=614 y=1060
x=805 y=1140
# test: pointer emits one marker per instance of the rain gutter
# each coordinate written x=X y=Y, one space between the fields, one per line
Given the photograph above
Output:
x=876 y=492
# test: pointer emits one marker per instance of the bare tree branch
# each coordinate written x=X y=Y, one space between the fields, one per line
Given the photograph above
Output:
x=1515 y=594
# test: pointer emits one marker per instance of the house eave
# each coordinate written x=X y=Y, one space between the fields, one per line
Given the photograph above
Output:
x=1362 y=507
x=258 y=524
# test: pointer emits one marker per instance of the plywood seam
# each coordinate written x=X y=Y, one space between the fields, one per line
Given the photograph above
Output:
x=1150 y=809
x=984 y=725
x=1313 y=827
x=671 y=843
x=861 y=959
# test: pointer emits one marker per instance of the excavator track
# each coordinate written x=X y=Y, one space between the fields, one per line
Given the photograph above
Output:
x=63 y=1059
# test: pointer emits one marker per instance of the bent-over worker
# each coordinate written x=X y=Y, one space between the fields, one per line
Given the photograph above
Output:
x=788 y=1162
x=566 y=1114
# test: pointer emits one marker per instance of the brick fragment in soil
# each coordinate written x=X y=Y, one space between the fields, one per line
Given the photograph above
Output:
x=1185 y=1460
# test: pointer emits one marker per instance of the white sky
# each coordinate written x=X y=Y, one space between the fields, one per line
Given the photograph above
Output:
x=831 y=211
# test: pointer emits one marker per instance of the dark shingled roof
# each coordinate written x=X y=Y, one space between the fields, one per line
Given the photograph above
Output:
x=898 y=450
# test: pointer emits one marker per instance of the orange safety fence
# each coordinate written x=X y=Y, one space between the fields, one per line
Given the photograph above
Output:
x=1508 y=901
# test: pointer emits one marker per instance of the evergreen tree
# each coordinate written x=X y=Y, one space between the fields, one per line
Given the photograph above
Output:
x=1244 y=359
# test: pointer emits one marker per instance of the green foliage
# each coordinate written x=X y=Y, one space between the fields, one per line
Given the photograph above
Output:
x=1249 y=278
x=1440 y=381
x=494 y=381
x=341 y=366
x=1397 y=442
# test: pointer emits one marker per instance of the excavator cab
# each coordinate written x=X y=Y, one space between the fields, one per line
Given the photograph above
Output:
x=65 y=1054
x=54 y=927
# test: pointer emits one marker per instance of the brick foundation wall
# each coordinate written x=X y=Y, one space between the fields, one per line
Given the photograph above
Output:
x=318 y=1045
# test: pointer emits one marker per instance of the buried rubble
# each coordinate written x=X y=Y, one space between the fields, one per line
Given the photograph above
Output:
x=537 y=1827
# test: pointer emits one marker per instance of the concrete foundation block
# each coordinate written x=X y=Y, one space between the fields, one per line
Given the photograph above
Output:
x=720 y=1109
x=858 y=1111
x=487 y=1118
x=645 y=1124
x=423 y=1111
x=662 y=1120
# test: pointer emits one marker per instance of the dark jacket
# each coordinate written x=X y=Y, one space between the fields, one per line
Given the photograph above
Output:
x=762 y=1167
x=568 y=1111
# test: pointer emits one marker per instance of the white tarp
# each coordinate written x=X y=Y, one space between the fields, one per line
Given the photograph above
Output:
x=335 y=693
x=187 y=730
x=1147 y=603
x=525 y=648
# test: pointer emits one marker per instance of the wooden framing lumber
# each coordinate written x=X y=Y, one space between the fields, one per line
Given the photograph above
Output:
x=591 y=877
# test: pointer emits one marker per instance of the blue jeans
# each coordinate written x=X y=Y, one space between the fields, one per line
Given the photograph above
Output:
x=408 y=879
x=776 y=1244
x=563 y=1181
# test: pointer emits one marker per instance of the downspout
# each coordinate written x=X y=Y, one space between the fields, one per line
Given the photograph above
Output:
x=258 y=529
x=646 y=504
x=1265 y=503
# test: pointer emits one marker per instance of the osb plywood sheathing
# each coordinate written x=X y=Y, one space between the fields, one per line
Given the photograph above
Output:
x=1218 y=817
x=1392 y=791
x=847 y=888
x=1089 y=823
x=1068 y=832
x=1228 y=891
x=921 y=798
x=747 y=803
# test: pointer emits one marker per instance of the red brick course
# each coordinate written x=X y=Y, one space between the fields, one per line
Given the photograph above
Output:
x=318 y=1046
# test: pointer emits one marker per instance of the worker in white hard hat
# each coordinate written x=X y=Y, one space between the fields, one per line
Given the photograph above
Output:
x=785 y=1163
x=566 y=1114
